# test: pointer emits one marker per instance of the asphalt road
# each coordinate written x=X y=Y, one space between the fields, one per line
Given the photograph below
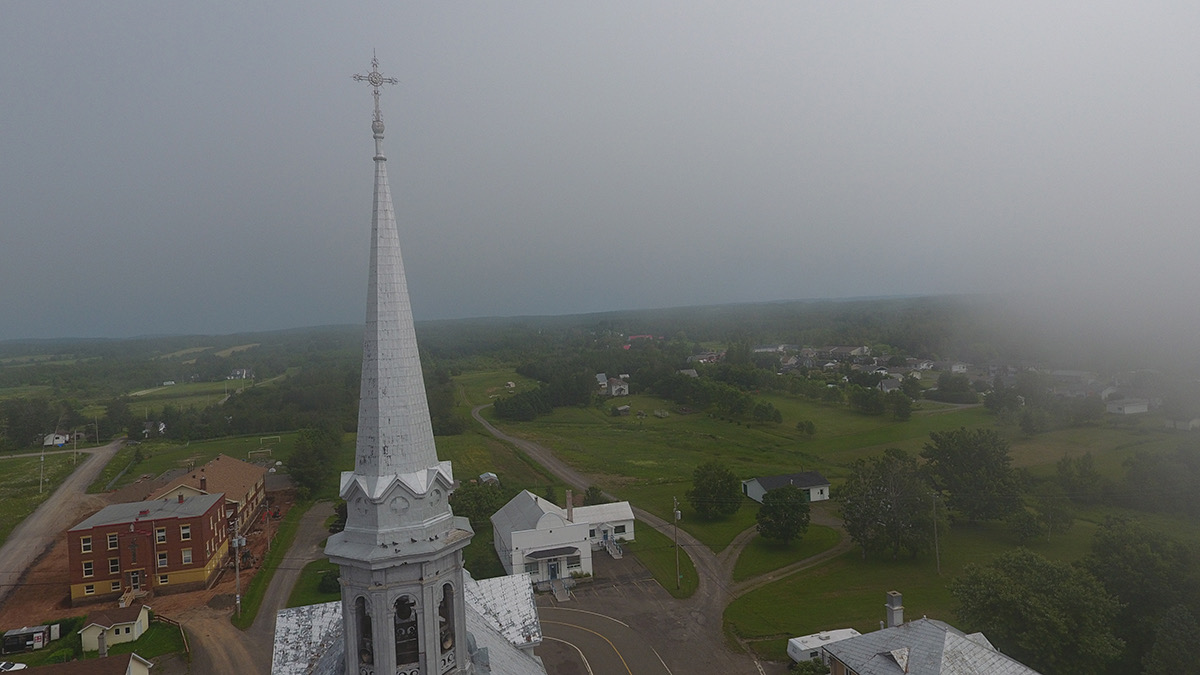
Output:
x=37 y=533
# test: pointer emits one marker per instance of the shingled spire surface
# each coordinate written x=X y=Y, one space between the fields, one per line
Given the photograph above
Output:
x=394 y=432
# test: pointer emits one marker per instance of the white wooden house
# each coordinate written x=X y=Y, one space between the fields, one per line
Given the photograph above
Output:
x=814 y=485
x=536 y=536
x=125 y=624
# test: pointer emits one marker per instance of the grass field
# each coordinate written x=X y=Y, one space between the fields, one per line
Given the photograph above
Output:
x=28 y=391
x=848 y=592
x=761 y=556
x=305 y=592
x=20 y=478
x=161 y=456
x=150 y=402
x=657 y=552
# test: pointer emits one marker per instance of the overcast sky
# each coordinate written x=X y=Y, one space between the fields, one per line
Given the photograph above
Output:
x=206 y=167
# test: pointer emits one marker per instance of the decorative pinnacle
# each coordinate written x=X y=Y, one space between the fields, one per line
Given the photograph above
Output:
x=376 y=80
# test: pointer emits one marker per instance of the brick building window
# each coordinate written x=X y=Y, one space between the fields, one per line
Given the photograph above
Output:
x=87 y=568
x=185 y=532
x=114 y=565
x=115 y=586
x=85 y=544
x=162 y=558
x=89 y=589
x=112 y=541
x=160 y=535
x=187 y=556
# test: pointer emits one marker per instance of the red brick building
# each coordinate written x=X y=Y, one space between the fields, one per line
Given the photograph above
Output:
x=164 y=545
x=243 y=483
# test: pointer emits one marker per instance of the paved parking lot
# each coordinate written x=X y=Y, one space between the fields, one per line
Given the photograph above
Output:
x=623 y=622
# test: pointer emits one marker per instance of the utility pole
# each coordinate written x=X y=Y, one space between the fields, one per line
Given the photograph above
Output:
x=237 y=565
x=675 y=516
x=42 y=475
x=937 y=554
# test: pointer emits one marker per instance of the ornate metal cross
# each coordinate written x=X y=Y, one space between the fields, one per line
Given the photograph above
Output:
x=376 y=80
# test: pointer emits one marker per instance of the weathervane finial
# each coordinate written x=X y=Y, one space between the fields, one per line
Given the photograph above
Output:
x=376 y=80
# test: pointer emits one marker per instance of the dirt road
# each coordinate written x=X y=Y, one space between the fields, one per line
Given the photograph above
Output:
x=37 y=533
x=218 y=646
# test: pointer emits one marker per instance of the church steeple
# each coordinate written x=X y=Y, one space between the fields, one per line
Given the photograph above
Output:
x=400 y=554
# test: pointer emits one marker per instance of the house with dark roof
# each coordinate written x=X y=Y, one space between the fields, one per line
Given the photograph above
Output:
x=814 y=485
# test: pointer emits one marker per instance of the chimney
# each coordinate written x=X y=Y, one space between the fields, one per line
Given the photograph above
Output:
x=180 y=497
x=203 y=481
x=895 y=609
x=570 y=507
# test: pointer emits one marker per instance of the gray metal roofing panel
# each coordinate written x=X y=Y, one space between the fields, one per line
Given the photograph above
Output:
x=522 y=512
x=804 y=479
x=115 y=514
x=934 y=648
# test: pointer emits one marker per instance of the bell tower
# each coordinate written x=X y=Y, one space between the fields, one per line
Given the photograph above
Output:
x=400 y=555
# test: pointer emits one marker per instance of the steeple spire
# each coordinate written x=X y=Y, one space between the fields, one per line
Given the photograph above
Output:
x=400 y=555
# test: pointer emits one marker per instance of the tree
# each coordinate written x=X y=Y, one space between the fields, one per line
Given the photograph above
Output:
x=973 y=468
x=594 y=495
x=887 y=505
x=784 y=514
x=1053 y=509
x=806 y=427
x=477 y=501
x=311 y=462
x=1146 y=571
x=1049 y=615
x=716 y=492
x=900 y=404
x=1176 y=646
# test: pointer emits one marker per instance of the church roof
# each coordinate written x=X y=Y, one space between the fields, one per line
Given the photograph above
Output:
x=924 y=647
x=308 y=639
x=507 y=603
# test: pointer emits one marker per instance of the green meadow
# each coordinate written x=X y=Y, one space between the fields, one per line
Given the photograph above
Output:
x=23 y=487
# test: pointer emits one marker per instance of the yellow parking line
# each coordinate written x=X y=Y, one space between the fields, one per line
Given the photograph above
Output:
x=577 y=650
x=610 y=644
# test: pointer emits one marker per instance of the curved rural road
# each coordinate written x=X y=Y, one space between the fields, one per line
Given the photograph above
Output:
x=41 y=530
x=716 y=588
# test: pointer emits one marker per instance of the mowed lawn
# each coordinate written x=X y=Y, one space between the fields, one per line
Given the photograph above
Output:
x=849 y=592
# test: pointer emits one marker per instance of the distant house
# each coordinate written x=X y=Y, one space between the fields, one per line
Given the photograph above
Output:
x=242 y=483
x=536 y=536
x=1128 y=406
x=690 y=372
x=240 y=374
x=55 y=439
x=889 y=385
x=602 y=381
x=124 y=624
x=814 y=485
x=617 y=387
